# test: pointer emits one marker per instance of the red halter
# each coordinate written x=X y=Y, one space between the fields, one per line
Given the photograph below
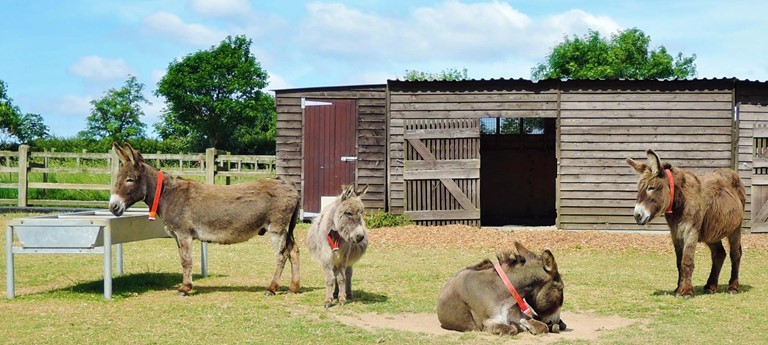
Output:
x=524 y=307
x=333 y=240
x=158 y=190
x=671 y=191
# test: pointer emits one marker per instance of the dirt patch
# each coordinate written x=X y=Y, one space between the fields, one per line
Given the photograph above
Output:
x=580 y=326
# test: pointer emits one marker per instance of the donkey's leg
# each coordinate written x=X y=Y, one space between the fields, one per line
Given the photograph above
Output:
x=330 y=280
x=184 y=242
x=278 y=245
x=293 y=256
x=718 y=256
x=685 y=287
x=734 y=241
x=495 y=327
x=341 y=283
x=348 y=283
x=678 y=244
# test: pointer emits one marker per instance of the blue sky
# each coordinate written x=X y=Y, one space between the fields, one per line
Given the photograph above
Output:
x=57 y=56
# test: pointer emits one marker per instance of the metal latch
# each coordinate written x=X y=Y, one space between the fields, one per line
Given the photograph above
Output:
x=348 y=158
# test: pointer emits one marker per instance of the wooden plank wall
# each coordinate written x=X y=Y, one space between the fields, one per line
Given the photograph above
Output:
x=371 y=151
x=601 y=127
x=457 y=100
x=753 y=110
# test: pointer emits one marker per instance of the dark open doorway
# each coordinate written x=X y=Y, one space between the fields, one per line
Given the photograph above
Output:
x=518 y=168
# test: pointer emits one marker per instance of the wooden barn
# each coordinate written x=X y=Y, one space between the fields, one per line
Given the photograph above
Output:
x=516 y=152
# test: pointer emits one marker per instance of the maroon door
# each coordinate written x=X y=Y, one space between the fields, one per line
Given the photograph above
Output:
x=330 y=149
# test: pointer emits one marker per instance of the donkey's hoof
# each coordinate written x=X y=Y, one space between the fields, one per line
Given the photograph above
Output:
x=732 y=291
x=327 y=305
x=183 y=293
x=269 y=293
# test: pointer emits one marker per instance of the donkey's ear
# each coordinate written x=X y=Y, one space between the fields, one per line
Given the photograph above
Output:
x=361 y=191
x=349 y=192
x=124 y=156
x=135 y=156
x=638 y=166
x=549 y=262
x=655 y=163
x=524 y=252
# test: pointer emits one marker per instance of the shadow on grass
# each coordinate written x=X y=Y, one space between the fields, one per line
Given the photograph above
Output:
x=197 y=289
x=367 y=297
x=128 y=285
x=699 y=290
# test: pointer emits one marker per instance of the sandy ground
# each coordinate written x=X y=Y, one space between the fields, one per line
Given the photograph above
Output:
x=580 y=326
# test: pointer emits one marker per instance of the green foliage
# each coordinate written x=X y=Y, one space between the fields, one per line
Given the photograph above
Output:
x=624 y=55
x=78 y=144
x=116 y=115
x=31 y=128
x=382 y=219
x=10 y=117
x=215 y=99
x=449 y=74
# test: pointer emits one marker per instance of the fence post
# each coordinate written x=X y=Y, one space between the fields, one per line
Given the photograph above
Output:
x=210 y=165
x=114 y=166
x=23 y=174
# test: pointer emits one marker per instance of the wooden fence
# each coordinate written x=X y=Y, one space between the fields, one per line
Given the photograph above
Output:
x=211 y=167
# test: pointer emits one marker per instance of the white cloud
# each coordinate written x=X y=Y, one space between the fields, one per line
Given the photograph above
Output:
x=277 y=82
x=97 y=68
x=157 y=75
x=222 y=8
x=171 y=25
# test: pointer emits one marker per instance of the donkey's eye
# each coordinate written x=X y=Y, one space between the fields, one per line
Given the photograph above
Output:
x=651 y=189
x=130 y=180
x=348 y=214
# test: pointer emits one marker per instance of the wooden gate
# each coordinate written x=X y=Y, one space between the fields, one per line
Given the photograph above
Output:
x=441 y=171
x=760 y=178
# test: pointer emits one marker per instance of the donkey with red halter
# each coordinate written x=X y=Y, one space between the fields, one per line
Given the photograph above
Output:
x=210 y=213
x=703 y=208
x=337 y=239
x=495 y=297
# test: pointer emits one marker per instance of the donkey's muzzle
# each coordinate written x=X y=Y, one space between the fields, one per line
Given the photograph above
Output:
x=359 y=238
x=116 y=205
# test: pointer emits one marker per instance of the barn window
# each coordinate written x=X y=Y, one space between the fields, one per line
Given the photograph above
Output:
x=511 y=126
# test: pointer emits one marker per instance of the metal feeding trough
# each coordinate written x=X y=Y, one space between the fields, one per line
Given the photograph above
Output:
x=89 y=232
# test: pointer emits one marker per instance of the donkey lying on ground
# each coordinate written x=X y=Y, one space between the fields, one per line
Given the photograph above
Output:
x=495 y=297
x=337 y=239
x=220 y=214
x=704 y=208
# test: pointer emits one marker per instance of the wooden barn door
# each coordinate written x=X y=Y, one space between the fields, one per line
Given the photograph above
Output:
x=442 y=171
x=330 y=149
x=760 y=178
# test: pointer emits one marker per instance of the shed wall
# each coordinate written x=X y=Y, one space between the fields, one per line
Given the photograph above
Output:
x=371 y=136
x=601 y=127
x=753 y=111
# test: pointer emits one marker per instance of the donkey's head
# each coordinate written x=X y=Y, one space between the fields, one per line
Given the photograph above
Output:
x=348 y=215
x=652 y=189
x=539 y=274
x=130 y=185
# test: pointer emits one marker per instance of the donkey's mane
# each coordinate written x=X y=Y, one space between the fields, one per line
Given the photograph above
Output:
x=508 y=258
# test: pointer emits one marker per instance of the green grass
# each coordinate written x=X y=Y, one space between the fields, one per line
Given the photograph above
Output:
x=59 y=297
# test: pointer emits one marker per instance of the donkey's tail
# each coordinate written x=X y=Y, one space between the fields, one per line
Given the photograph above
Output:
x=290 y=241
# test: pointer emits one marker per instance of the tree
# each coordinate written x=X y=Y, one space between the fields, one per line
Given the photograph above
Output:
x=624 y=55
x=449 y=74
x=31 y=128
x=116 y=116
x=10 y=116
x=214 y=98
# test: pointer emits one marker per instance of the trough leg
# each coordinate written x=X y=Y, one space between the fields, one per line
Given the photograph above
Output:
x=119 y=258
x=9 y=273
x=718 y=257
x=734 y=242
x=107 y=263
x=204 y=259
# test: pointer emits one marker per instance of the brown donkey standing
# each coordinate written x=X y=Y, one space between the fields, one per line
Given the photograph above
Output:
x=209 y=213
x=704 y=208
